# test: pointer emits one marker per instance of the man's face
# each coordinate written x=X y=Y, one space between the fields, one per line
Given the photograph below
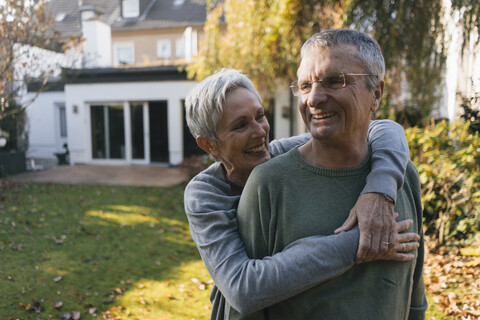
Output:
x=340 y=115
x=242 y=135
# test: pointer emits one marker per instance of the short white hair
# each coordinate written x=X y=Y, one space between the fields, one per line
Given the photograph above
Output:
x=370 y=54
x=204 y=104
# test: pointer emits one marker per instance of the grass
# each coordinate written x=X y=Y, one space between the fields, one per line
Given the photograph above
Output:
x=104 y=252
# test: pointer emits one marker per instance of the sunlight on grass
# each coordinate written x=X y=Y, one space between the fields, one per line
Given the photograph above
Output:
x=121 y=217
x=185 y=296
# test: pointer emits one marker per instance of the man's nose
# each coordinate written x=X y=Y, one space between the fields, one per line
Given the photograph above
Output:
x=317 y=95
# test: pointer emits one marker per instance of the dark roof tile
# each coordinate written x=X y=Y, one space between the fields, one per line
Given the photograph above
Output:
x=157 y=14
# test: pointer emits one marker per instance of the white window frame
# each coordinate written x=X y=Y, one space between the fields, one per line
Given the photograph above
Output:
x=123 y=45
x=180 y=47
x=130 y=8
x=160 y=53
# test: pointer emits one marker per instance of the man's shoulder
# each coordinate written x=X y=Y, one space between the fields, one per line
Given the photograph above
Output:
x=279 y=162
x=411 y=173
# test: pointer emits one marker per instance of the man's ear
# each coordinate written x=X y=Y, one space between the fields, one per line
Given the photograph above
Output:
x=377 y=95
x=207 y=145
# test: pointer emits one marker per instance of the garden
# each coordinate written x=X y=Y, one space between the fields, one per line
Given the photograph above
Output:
x=117 y=252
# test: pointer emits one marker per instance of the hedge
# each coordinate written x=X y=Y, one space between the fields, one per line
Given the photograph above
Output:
x=447 y=157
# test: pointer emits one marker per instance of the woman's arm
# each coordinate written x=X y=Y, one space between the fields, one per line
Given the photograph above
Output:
x=390 y=155
x=242 y=281
x=373 y=212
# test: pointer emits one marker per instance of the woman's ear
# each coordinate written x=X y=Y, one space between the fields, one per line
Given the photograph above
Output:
x=377 y=95
x=207 y=145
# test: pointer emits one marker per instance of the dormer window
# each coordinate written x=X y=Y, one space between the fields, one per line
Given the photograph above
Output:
x=130 y=8
x=60 y=16
x=87 y=14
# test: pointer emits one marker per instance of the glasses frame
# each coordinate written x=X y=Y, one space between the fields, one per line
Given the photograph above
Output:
x=296 y=89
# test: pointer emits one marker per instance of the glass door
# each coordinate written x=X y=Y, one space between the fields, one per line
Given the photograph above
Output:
x=137 y=130
x=107 y=131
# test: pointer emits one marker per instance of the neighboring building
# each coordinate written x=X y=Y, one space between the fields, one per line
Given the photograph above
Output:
x=125 y=106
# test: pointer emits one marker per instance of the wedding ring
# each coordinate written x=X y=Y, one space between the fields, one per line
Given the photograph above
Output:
x=403 y=247
x=386 y=243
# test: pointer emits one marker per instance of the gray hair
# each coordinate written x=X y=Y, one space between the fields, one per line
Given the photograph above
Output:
x=370 y=54
x=204 y=104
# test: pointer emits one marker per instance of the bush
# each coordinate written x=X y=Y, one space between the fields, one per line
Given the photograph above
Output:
x=448 y=160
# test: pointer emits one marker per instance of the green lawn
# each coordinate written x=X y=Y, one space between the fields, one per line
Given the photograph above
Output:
x=103 y=251
x=106 y=252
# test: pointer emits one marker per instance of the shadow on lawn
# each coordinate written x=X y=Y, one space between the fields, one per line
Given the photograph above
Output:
x=90 y=247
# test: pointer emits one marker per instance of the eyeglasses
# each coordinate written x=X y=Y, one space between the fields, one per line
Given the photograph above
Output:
x=332 y=82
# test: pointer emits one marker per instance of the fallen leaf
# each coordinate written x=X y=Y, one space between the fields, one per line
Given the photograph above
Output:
x=58 y=304
x=58 y=279
x=19 y=247
x=34 y=306
x=92 y=312
x=58 y=240
x=76 y=315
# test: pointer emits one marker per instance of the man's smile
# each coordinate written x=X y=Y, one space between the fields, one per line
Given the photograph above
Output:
x=323 y=115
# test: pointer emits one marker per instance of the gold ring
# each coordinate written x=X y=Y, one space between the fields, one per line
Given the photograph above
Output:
x=386 y=243
x=403 y=247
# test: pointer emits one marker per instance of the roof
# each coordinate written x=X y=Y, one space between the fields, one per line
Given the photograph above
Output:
x=155 y=14
x=71 y=24
x=104 y=75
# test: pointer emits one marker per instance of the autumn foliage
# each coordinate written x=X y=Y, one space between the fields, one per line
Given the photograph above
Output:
x=448 y=159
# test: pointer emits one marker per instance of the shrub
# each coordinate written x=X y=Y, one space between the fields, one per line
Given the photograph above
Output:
x=448 y=161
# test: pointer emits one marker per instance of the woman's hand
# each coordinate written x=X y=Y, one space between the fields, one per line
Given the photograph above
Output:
x=405 y=242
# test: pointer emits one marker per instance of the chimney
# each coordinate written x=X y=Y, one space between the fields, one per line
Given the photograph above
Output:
x=97 y=45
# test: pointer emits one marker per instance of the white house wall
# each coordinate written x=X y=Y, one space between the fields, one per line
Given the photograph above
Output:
x=43 y=126
x=282 y=119
x=80 y=96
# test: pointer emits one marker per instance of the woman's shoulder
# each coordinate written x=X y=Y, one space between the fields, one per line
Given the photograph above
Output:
x=212 y=177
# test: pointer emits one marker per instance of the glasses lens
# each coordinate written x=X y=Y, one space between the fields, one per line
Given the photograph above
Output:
x=333 y=82
x=294 y=88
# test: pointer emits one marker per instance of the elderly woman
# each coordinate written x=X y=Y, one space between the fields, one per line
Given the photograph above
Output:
x=225 y=115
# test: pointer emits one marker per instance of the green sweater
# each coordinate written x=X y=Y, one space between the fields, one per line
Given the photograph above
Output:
x=321 y=200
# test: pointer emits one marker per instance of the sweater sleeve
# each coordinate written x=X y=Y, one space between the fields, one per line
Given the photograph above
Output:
x=390 y=155
x=281 y=146
x=211 y=212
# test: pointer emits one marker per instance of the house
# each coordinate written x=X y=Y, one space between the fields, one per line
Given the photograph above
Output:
x=125 y=106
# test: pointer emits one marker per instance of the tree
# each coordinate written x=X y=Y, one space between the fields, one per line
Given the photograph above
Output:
x=25 y=28
x=263 y=39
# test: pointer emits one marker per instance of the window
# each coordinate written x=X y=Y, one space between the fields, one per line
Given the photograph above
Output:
x=180 y=47
x=164 y=49
x=87 y=14
x=60 y=16
x=123 y=53
x=130 y=8
x=177 y=3
x=63 y=121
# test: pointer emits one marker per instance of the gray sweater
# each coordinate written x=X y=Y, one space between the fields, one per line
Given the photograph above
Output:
x=320 y=199
x=252 y=284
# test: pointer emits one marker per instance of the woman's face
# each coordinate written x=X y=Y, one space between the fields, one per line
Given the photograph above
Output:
x=242 y=135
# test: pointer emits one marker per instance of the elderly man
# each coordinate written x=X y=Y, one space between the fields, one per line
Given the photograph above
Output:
x=340 y=84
